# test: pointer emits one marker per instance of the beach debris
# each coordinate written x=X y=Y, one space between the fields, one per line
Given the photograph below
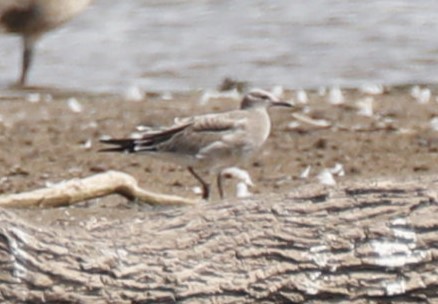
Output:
x=167 y=96
x=197 y=190
x=74 y=105
x=422 y=96
x=321 y=123
x=338 y=170
x=134 y=93
x=88 y=144
x=306 y=172
x=365 y=106
x=33 y=97
x=4 y=180
x=434 y=123
x=302 y=97
x=278 y=91
x=336 y=97
x=372 y=89
x=76 y=190
x=91 y=125
x=325 y=177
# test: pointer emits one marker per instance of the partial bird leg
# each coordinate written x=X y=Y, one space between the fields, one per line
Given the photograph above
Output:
x=219 y=185
x=28 y=50
x=205 y=186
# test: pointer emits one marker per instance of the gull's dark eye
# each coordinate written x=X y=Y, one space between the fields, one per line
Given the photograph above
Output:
x=264 y=97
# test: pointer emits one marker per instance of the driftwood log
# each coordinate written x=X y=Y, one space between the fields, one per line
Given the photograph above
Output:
x=363 y=243
x=95 y=186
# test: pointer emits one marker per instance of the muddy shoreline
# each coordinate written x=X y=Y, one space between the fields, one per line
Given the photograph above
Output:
x=49 y=136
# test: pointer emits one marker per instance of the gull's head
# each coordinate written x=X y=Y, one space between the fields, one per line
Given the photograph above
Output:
x=257 y=98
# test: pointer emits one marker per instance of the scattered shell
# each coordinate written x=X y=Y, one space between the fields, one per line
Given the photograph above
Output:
x=167 y=96
x=92 y=125
x=322 y=123
x=420 y=95
x=88 y=144
x=197 y=190
x=33 y=97
x=302 y=97
x=336 y=96
x=306 y=172
x=134 y=93
x=365 y=106
x=338 y=170
x=74 y=105
x=306 y=110
x=415 y=91
x=278 y=91
x=325 y=177
x=434 y=123
x=372 y=89
x=424 y=96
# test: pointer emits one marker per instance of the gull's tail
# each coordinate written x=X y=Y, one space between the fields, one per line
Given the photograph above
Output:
x=148 y=142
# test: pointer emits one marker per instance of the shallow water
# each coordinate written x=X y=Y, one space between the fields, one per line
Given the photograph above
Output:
x=188 y=44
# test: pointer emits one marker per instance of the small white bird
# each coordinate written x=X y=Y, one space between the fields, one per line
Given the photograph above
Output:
x=32 y=18
x=211 y=141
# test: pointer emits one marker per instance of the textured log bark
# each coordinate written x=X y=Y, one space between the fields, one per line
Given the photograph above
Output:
x=364 y=243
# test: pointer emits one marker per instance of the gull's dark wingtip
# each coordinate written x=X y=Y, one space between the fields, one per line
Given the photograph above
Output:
x=124 y=145
x=118 y=149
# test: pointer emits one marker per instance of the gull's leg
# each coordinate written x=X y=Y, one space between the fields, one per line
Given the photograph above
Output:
x=28 y=50
x=219 y=185
x=205 y=186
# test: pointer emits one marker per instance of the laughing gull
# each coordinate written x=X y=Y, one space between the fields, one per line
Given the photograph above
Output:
x=32 y=18
x=212 y=141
